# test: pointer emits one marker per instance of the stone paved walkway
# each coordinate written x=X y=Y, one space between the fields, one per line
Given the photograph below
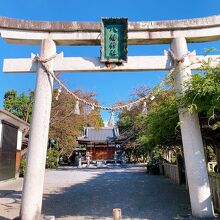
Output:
x=71 y=193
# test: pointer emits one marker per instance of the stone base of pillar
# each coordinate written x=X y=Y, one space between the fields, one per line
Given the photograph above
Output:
x=44 y=217
x=190 y=217
x=48 y=217
x=117 y=214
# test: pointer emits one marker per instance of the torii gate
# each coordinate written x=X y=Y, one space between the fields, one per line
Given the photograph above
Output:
x=50 y=34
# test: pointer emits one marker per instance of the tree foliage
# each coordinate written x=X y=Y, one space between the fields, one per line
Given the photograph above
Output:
x=160 y=127
x=203 y=96
x=204 y=91
x=19 y=105
x=65 y=126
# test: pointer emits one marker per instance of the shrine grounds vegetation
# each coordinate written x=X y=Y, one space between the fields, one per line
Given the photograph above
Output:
x=159 y=129
x=65 y=126
x=145 y=134
x=19 y=105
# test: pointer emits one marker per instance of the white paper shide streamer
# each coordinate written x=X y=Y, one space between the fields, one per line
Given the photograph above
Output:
x=152 y=97
x=129 y=107
x=144 y=110
x=58 y=93
x=76 y=109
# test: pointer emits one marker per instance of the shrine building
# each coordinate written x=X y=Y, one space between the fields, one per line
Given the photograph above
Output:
x=12 y=132
x=101 y=144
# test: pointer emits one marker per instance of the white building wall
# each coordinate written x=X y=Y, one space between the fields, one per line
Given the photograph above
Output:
x=19 y=139
x=1 y=130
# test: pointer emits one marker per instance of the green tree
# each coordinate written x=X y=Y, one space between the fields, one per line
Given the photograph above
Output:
x=203 y=96
x=66 y=126
x=19 y=105
x=129 y=124
x=160 y=127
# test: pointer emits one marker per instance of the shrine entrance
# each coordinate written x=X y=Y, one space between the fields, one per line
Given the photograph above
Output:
x=49 y=34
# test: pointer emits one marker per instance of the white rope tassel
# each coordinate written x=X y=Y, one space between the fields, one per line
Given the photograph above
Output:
x=111 y=122
x=144 y=110
x=77 y=110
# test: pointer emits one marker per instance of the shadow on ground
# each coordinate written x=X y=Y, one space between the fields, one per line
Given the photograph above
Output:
x=3 y=218
x=8 y=200
x=140 y=196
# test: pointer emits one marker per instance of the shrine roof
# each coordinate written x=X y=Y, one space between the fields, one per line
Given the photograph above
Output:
x=104 y=134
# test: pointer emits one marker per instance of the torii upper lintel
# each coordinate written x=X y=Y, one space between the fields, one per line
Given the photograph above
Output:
x=88 y=33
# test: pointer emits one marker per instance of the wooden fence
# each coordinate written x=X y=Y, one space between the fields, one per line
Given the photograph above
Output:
x=214 y=180
x=211 y=166
x=172 y=172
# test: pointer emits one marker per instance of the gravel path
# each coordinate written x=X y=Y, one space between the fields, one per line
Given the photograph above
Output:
x=79 y=194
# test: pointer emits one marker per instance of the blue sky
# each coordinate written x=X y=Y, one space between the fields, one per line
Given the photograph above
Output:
x=109 y=87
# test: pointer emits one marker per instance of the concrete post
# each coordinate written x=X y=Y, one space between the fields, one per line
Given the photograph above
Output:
x=199 y=190
x=116 y=214
x=35 y=169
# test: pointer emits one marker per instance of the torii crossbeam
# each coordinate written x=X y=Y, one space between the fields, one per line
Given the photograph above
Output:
x=93 y=64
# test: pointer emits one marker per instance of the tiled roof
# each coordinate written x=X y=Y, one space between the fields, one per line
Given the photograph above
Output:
x=102 y=134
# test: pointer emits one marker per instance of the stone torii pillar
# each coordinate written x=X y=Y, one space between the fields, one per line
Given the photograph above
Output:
x=195 y=163
x=35 y=168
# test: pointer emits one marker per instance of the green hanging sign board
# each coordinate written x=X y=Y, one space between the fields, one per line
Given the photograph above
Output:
x=114 y=40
